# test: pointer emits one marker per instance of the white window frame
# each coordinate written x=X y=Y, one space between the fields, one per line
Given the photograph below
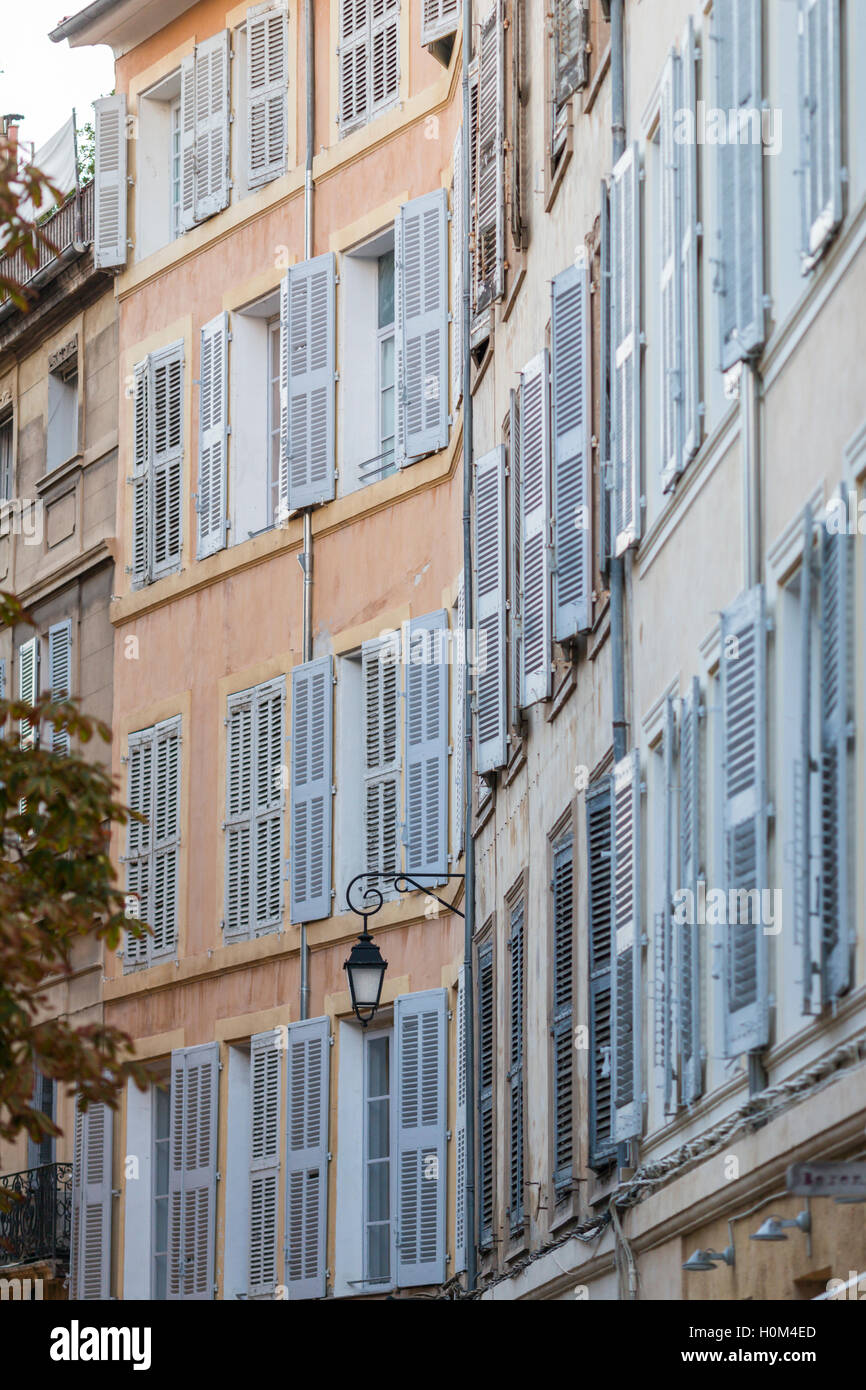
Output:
x=370 y=1036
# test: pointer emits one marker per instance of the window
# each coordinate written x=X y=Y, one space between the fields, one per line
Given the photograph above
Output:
x=41 y=1152
x=820 y=124
x=61 y=431
x=385 y=297
x=174 y=123
x=6 y=442
x=255 y=811
x=159 y=167
x=153 y=846
x=562 y=1016
x=598 y=838
x=161 y=1101
x=378 y=1216
x=369 y=59
x=569 y=38
x=157 y=479
x=253 y=448
x=368 y=446
x=273 y=376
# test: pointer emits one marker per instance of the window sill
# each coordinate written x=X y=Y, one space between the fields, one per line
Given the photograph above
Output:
x=481 y=815
x=554 y=176
x=516 y=275
x=516 y=761
x=565 y=1209
x=562 y=694
x=60 y=473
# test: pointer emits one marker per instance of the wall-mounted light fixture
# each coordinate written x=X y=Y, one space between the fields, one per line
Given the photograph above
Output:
x=709 y=1259
x=774 y=1227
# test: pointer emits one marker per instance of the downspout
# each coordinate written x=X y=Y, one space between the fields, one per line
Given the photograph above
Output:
x=468 y=841
x=307 y=554
x=617 y=562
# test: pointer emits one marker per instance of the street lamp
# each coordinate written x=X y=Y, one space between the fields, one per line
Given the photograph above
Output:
x=774 y=1227
x=708 y=1259
x=366 y=971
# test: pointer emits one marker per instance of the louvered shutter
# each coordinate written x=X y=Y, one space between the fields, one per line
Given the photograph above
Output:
x=491 y=693
x=211 y=125
x=238 y=822
x=458 y=752
x=535 y=599
x=267 y=94
x=421 y=1027
x=625 y=349
x=600 y=895
x=671 y=355
x=571 y=461
x=737 y=35
x=803 y=774
x=489 y=162
x=165 y=410
x=91 y=1202
x=307 y=1193
x=283 y=476
x=462 y=1235
x=139 y=837
x=426 y=741
x=141 y=525
x=60 y=676
x=109 y=182
x=486 y=1065
x=688 y=943
x=187 y=217
x=570 y=39
x=2 y=678
x=837 y=730
x=310 y=375
x=380 y=681
x=423 y=323
x=192 y=1171
x=166 y=839
x=516 y=1172
x=744 y=774
x=312 y=756
x=384 y=52
x=354 y=61
x=626 y=944
x=664 y=970
x=458 y=232
x=28 y=688
x=820 y=123
x=562 y=1020
x=515 y=595
x=605 y=469
x=268 y=805
x=687 y=156
x=266 y=1053
x=213 y=437
x=438 y=17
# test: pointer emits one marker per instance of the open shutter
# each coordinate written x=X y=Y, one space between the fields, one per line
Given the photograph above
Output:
x=803 y=773
x=60 y=676
x=91 y=1201
x=438 y=18
x=489 y=189
x=626 y=946
x=310 y=368
x=238 y=822
x=605 y=466
x=166 y=839
x=600 y=895
x=486 y=1070
x=187 y=217
x=516 y=1173
x=687 y=156
x=283 y=477
x=109 y=180
x=671 y=355
x=562 y=1021
x=192 y=1171
x=384 y=52
x=354 y=61
x=458 y=232
x=688 y=943
x=570 y=40
x=267 y=94
x=380 y=670
x=307 y=1194
x=213 y=436
x=491 y=748
x=266 y=1052
x=423 y=323
x=211 y=125
x=421 y=1027
x=139 y=838
x=837 y=729
x=312 y=756
x=535 y=531
x=744 y=773
x=515 y=596
x=165 y=408
x=625 y=349
x=427 y=746
x=28 y=688
x=571 y=463
x=462 y=1235
x=141 y=529
x=664 y=962
x=458 y=751
x=820 y=124
x=268 y=805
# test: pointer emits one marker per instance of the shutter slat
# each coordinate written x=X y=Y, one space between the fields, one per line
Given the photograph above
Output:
x=535 y=617
x=516 y=1171
x=571 y=412
x=213 y=436
x=486 y=1153
x=165 y=407
x=109 y=179
x=381 y=810
x=491 y=691
x=309 y=1056
x=312 y=755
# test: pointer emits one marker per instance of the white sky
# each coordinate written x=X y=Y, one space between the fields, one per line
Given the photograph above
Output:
x=44 y=80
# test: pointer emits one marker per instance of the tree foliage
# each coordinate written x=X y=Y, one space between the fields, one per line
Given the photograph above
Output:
x=25 y=197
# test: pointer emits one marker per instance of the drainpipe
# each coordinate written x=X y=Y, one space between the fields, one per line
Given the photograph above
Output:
x=307 y=555
x=468 y=841
x=617 y=562
x=750 y=388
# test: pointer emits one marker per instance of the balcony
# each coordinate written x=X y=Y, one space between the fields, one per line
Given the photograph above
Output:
x=71 y=222
x=38 y=1224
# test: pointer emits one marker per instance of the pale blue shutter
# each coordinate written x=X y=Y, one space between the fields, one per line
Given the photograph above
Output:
x=562 y=1019
x=283 y=477
x=605 y=466
x=426 y=739
x=2 y=678
x=837 y=731
x=28 y=688
x=354 y=61
x=192 y=1171
x=90 y=1276
x=438 y=18
x=165 y=409
x=238 y=821
x=820 y=58
x=490 y=611
x=515 y=659
x=458 y=232
x=266 y=1051
x=213 y=436
x=803 y=774
x=489 y=162
x=625 y=349
x=600 y=899
x=664 y=968
x=570 y=428
x=165 y=854
x=671 y=354
x=486 y=1072
x=688 y=944
x=689 y=232
x=141 y=521
x=267 y=93
x=187 y=143
x=380 y=671
x=422 y=324
x=462 y=1236
x=60 y=677
x=744 y=788
x=109 y=181
x=268 y=805
x=310 y=366
x=212 y=125
x=421 y=1027
x=309 y=1057
x=516 y=1165
x=458 y=751
x=139 y=838
x=626 y=947
x=312 y=755
x=535 y=603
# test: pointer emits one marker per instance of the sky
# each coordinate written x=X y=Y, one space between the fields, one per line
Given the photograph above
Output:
x=44 y=80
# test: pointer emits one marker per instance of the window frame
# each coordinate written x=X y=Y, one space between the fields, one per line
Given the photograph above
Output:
x=384 y=1031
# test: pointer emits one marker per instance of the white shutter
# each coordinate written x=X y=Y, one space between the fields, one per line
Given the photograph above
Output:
x=688 y=942
x=141 y=556
x=837 y=731
x=458 y=752
x=664 y=967
x=266 y=1071
x=489 y=163
x=311 y=801
x=571 y=462
x=535 y=636
x=354 y=61
x=165 y=429
x=213 y=436
x=309 y=1056
x=139 y=837
x=626 y=944
x=421 y=1029
x=461 y=1232
x=268 y=805
x=28 y=688
x=819 y=45
x=438 y=18
x=380 y=672
x=90 y=1276
x=515 y=660
x=671 y=356
x=60 y=676
x=625 y=349
x=211 y=125
x=423 y=323
x=458 y=232
x=491 y=749
x=238 y=822
x=165 y=829
x=310 y=367
x=687 y=156
x=283 y=478
x=267 y=94
x=426 y=830
x=187 y=143
x=384 y=52
x=192 y=1171
x=109 y=182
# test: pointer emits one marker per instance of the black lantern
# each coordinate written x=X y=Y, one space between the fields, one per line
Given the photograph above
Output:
x=366 y=970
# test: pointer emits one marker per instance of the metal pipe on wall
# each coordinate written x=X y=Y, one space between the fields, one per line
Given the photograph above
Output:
x=617 y=562
x=307 y=556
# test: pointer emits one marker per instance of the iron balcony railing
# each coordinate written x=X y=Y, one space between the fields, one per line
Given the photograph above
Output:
x=38 y=1223
x=71 y=222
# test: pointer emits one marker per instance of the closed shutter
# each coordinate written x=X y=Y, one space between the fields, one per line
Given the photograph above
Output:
x=238 y=822
x=625 y=349
x=664 y=968
x=515 y=657
x=283 y=476
x=688 y=943
x=738 y=47
x=562 y=1021
x=139 y=838
x=626 y=944
x=354 y=61
x=91 y=1201
x=141 y=525
x=187 y=217
x=267 y=94
x=213 y=437
x=687 y=156
x=2 y=678
x=421 y=1026
x=28 y=688
x=671 y=154
x=744 y=774
x=570 y=40
x=571 y=462
x=535 y=635
x=491 y=694
x=489 y=163
x=269 y=806
x=486 y=1157
x=837 y=731
x=458 y=751
x=422 y=324
x=307 y=349
x=380 y=669
x=165 y=414
x=515 y=1070
x=312 y=757
x=820 y=123
x=600 y=895
x=211 y=125
x=605 y=466
x=458 y=232
x=384 y=52
x=426 y=834
x=109 y=182
x=164 y=885
x=266 y=1052
x=60 y=677
x=804 y=768
x=438 y=17
x=462 y=1235
x=309 y=1059
x=192 y=1171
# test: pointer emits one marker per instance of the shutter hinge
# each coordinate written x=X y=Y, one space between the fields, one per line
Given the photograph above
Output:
x=447 y=1137
x=333 y=790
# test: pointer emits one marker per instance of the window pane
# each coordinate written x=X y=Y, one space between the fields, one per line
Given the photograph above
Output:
x=379 y=1191
x=161 y=1096
x=159 y=1266
x=378 y=1241
x=378 y=1136
x=161 y=1175
x=160 y=1234
x=386 y=289
x=377 y=1067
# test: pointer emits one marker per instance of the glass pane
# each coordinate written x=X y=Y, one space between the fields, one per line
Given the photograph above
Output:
x=377 y=1129
x=377 y=1067
x=386 y=366
x=378 y=1253
x=161 y=1099
x=386 y=289
x=159 y=1269
x=161 y=1175
x=160 y=1233
x=378 y=1191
